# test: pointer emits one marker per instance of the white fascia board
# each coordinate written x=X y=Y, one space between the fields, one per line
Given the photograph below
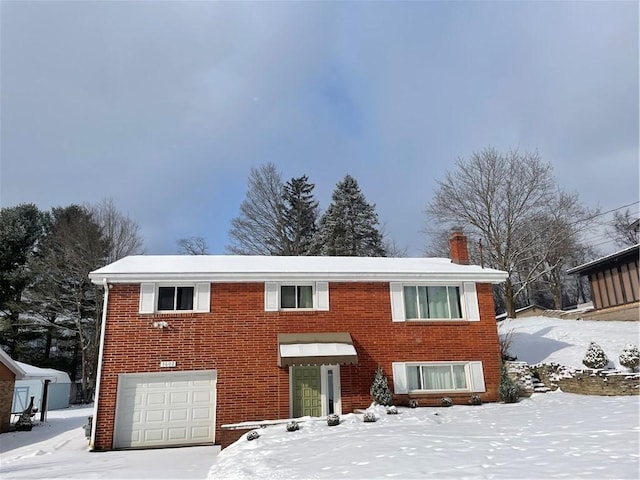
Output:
x=486 y=276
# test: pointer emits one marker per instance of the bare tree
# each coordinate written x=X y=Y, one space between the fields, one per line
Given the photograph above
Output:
x=260 y=227
x=193 y=246
x=62 y=292
x=511 y=202
x=121 y=233
x=623 y=229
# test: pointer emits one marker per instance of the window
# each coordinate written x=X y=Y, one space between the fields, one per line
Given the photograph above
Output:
x=167 y=298
x=175 y=298
x=296 y=296
x=443 y=377
x=435 y=377
x=425 y=302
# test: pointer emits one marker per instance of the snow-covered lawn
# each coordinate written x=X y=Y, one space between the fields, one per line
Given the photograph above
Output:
x=552 y=435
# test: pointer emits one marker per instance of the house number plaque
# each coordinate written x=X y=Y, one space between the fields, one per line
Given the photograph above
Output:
x=168 y=363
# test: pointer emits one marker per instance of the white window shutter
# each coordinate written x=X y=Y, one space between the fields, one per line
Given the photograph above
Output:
x=147 y=298
x=397 y=302
x=399 y=377
x=322 y=295
x=471 y=301
x=270 y=296
x=203 y=297
x=477 y=377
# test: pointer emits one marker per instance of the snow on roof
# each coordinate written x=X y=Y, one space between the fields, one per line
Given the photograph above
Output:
x=140 y=268
x=613 y=255
x=11 y=364
x=33 y=372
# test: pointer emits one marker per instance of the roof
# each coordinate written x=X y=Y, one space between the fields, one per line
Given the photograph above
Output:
x=627 y=252
x=236 y=268
x=33 y=372
x=11 y=364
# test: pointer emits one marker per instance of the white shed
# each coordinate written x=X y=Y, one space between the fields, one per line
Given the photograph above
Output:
x=32 y=385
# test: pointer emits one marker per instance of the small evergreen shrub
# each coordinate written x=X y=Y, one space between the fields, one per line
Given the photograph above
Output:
x=293 y=426
x=475 y=400
x=630 y=357
x=380 y=392
x=392 y=410
x=333 y=419
x=446 y=402
x=252 y=435
x=413 y=404
x=507 y=391
x=595 y=356
x=369 y=417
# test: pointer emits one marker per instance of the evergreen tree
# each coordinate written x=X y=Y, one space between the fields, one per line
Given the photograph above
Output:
x=595 y=356
x=300 y=216
x=630 y=357
x=507 y=390
x=380 y=392
x=349 y=226
x=21 y=229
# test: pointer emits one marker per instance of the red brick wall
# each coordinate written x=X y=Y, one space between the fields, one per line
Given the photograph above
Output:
x=239 y=339
x=7 y=382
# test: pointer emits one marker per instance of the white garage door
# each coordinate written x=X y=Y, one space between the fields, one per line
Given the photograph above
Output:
x=165 y=409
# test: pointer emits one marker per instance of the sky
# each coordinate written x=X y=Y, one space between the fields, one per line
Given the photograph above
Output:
x=164 y=107
x=549 y=435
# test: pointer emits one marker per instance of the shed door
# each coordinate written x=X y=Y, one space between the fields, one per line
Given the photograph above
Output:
x=165 y=409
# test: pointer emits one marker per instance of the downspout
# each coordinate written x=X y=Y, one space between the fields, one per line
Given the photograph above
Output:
x=100 y=354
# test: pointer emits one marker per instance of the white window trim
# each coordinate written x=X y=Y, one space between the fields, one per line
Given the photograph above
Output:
x=473 y=371
x=149 y=297
x=469 y=310
x=319 y=293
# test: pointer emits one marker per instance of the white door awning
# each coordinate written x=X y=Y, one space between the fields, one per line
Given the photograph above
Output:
x=316 y=349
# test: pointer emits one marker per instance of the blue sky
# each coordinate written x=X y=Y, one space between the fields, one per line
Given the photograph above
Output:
x=165 y=106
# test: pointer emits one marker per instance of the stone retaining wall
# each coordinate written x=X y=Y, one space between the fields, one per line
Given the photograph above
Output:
x=587 y=381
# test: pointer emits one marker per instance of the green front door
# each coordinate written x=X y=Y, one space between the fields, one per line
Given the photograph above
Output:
x=306 y=392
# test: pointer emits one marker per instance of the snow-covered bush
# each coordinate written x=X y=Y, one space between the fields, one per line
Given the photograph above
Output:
x=630 y=357
x=333 y=419
x=475 y=400
x=446 y=402
x=595 y=356
x=392 y=410
x=380 y=392
x=293 y=426
x=369 y=417
x=507 y=391
x=252 y=435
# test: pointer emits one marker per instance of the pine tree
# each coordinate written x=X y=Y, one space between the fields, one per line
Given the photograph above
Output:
x=630 y=357
x=300 y=216
x=380 y=392
x=507 y=390
x=595 y=356
x=349 y=226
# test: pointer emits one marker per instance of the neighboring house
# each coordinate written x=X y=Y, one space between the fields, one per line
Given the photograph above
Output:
x=35 y=383
x=614 y=281
x=191 y=343
x=524 y=312
x=10 y=371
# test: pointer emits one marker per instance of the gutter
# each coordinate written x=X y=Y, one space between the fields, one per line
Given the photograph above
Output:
x=100 y=355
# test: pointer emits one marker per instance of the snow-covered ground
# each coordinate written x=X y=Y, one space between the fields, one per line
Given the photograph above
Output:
x=551 y=340
x=551 y=435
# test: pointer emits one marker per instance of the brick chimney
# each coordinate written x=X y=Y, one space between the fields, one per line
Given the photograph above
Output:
x=458 y=244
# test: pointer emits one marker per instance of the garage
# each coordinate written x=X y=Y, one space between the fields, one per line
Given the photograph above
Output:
x=165 y=409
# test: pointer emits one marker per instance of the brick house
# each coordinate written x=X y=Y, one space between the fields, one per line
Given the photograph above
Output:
x=10 y=371
x=191 y=343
